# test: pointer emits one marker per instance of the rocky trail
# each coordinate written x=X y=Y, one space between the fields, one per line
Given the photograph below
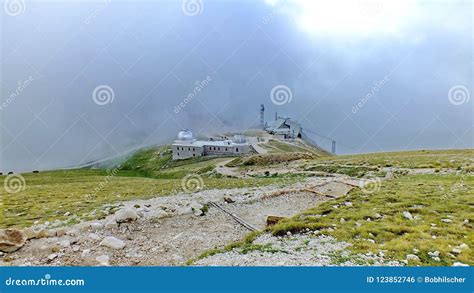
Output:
x=168 y=230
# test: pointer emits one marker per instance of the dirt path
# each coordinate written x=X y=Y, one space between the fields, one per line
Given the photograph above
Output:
x=169 y=232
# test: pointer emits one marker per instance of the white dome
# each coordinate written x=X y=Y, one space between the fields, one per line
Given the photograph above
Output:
x=239 y=139
x=185 y=134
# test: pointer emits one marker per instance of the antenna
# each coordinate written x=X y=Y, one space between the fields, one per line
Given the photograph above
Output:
x=333 y=147
x=262 y=116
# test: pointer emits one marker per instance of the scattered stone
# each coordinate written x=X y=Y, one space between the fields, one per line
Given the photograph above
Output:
x=273 y=220
x=407 y=215
x=446 y=220
x=103 y=260
x=460 y=264
x=96 y=226
x=85 y=253
x=65 y=243
x=198 y=213
x=377 y=216
x=412 y=257
x=228 y=199
x=94 y=236
x=456 y=250
x=463 y=246
x=43 y=233
x=12 y=239
x=342 y=220
x=434 y=253
x=66 y=214
x=371 y=240
x=466 y=221
x=111 y=225
x=126 y=215
x=348 y=204
x=52 y=256
x=112 y=242
x=60 y=232
x=288 y=233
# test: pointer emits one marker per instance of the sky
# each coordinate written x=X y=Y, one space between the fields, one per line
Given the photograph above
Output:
x=86 y=80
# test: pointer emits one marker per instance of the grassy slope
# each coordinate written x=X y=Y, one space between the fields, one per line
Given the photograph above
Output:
x=429 y=198
x=147 y=173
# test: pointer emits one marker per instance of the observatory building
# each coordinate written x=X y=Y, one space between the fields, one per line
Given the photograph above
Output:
x=187 y=147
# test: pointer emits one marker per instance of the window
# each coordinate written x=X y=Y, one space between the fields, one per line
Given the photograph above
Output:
x=178 y=153
x=226 y=149
x=189 y=149
x=236 y=150
x=194 y=155
x=218 y=149
x=194 y=149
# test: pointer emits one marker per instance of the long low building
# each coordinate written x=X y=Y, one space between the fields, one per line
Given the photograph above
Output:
x=186 y=146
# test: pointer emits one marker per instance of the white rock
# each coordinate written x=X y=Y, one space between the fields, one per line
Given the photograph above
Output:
x=348 y=204
x=103 y=260
x=112 y=242
x=460 y=264
x=407 y=215
x=111 y=225
x=67 y=214
x=126 y=215
x=463 y=246
x=456 y=250
x=412 y=257
x=446 y=220
x=52 y=256
x=377 y=216
x=96 y=226
x=64 y=243
x=85 y=253
x=184 y=211
x=12 y=239
x=434 y=253
x=94 y=236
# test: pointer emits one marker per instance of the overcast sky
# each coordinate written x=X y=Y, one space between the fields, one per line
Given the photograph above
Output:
x=86 y=80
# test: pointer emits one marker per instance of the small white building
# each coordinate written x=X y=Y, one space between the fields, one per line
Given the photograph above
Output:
x=187 y=147
x=284 y=128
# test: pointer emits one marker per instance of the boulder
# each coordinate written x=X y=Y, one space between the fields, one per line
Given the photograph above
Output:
x=112 y=242
x=103 y=260
x=126 y=215
x=273 y=220
x=407 y=215
x=12 y=239
x=412 y=257
x=228 y=199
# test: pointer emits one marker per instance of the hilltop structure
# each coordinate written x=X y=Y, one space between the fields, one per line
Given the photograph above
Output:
x=187 y=147
x=284 y=128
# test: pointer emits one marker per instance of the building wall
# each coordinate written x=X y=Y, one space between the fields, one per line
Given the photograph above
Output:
x=181 y=152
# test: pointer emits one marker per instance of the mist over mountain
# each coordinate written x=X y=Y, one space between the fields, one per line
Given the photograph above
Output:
x=86 y=80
